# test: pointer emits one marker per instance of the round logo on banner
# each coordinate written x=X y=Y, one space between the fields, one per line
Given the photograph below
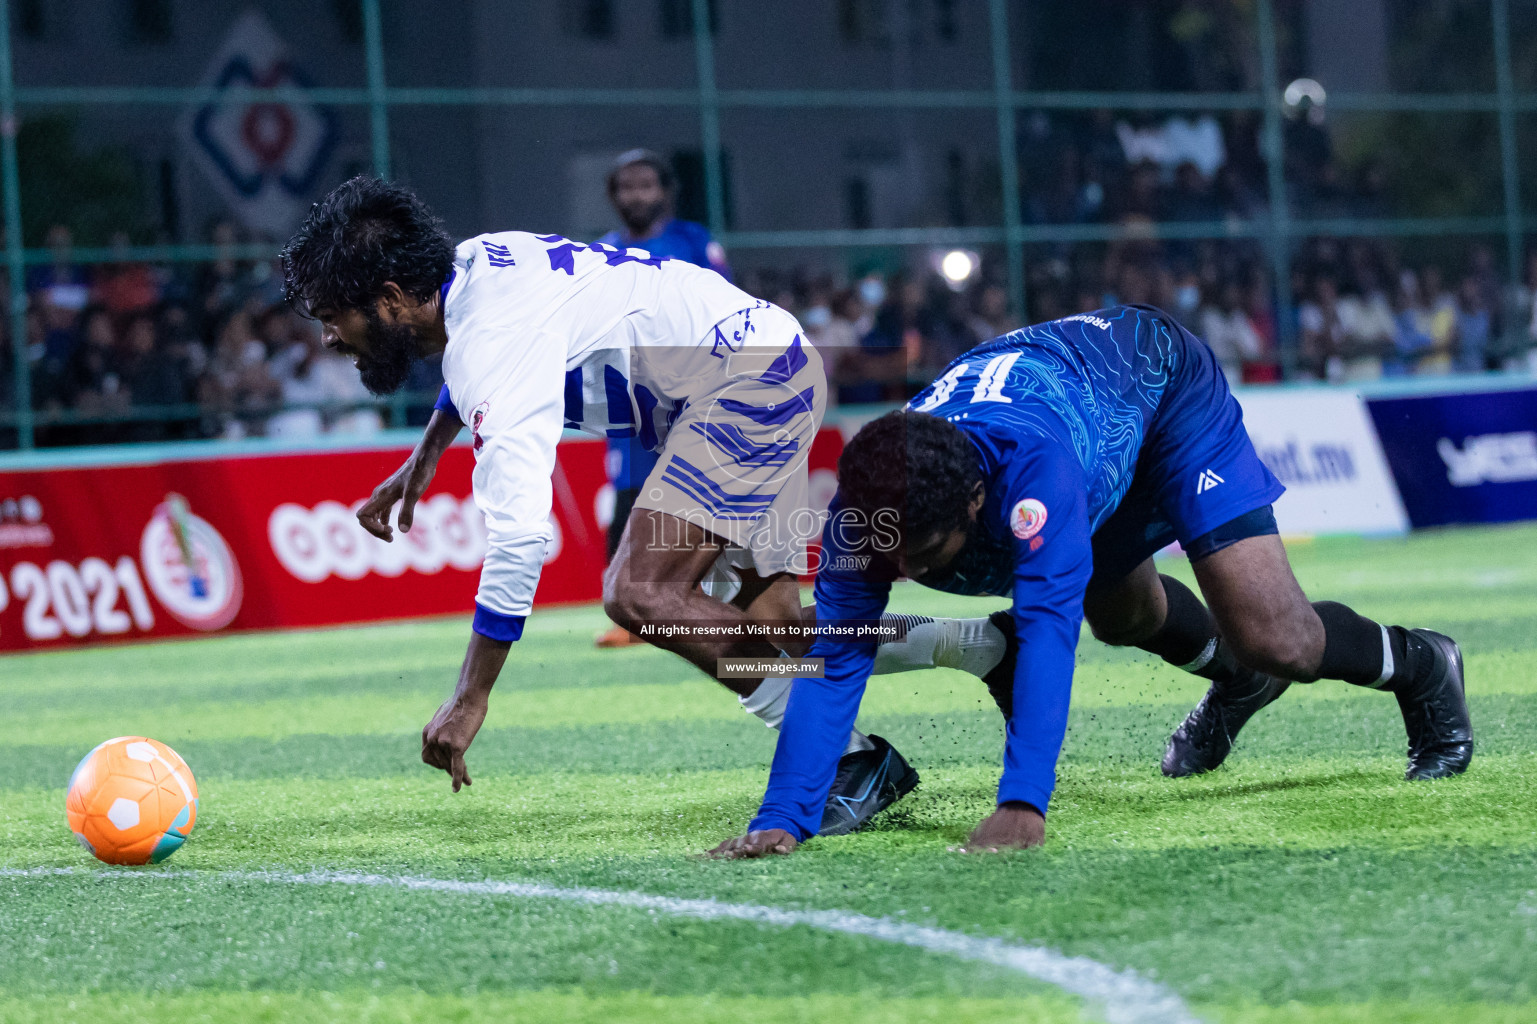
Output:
x=1027 y=519
x=189 y=568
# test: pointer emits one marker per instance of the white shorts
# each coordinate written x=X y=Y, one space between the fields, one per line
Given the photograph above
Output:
x=735 y=460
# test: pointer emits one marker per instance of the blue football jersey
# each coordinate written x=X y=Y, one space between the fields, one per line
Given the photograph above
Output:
x=679 y=240
x=1089 y=384
x=1063 y=416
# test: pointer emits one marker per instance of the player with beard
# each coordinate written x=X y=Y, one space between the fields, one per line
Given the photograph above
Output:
x=539 y=333
x=642 y=189
x=1048 y=465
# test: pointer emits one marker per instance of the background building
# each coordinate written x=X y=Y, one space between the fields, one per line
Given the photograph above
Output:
x=1314 y=186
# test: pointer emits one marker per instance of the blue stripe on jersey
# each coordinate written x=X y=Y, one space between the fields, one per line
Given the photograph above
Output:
x=737 y=446
x=677 y=410
x=617 y=390
x=774 y=415
x=647 y=402
x=573 y=397
x=689 y=478
x=445 y=403
x=683 y=485
x=789 y=363
x=723 y=497
x=496 y=625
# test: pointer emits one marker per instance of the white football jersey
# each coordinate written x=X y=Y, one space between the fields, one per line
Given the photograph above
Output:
x=546 y=333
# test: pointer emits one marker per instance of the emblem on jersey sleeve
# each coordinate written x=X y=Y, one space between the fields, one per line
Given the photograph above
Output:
x=1027 y=519
x=1206 y=481
x=477 y=417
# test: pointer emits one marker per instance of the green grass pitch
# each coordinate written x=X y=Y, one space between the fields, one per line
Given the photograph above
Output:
x=1304 y=882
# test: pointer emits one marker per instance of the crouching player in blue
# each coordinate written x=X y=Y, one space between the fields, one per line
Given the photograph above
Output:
x=1049 y=465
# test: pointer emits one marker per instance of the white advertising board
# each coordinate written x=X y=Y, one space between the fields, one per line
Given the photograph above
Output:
x=1321 y=444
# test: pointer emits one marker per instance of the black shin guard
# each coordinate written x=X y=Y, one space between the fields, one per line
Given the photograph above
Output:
x=1355 y=651
x=1188 y=638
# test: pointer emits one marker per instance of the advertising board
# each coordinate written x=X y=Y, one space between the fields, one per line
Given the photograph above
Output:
x=1321 y=445
x=181 y=547
x=1462 y=458
x=177 y=546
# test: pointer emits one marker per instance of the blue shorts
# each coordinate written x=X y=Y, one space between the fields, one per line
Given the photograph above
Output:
x=1197 y=469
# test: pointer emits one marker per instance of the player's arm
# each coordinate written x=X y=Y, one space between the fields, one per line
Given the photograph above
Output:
x=453 y=728
x=1052 y=568
x=821 y=712
x=520 y=430
x=408 y=483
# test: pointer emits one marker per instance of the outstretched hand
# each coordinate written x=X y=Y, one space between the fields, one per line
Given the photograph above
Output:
x=449 y=735
x=1013 y=826
x=408 y=483
x=762 y=843
x=406 y=486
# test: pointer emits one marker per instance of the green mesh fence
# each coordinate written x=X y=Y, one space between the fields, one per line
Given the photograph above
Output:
x=1278 y=229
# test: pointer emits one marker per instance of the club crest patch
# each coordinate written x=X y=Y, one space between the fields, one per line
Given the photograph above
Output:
x=477 y=417
x=1028 y=518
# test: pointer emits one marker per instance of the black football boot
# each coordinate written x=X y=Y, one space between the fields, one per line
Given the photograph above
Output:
x=1435 y=709
x=868 y=782
x=1205 y=737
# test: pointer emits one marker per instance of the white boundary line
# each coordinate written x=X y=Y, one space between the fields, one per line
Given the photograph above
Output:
x=1122 y=997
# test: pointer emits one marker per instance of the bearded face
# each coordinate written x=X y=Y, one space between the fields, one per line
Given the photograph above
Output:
x=639 y=198
x=392 y=350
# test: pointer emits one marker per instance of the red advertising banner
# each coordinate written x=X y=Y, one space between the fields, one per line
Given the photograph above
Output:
x=270 y=541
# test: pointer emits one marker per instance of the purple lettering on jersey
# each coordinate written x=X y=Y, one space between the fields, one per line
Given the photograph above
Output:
x=721 y=339
x=738 y=336
x=499 y=255
x=617 y=256
x=563 y=256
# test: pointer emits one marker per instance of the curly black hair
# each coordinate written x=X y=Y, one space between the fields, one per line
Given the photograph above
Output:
x=919 y=466
x=365 y=232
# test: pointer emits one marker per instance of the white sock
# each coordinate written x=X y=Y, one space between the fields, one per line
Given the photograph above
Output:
x=857 y=741
x=971 y=645
x=768 y=703
x=1388 y=668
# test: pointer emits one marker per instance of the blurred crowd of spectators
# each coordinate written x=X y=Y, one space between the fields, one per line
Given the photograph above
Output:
x=1099 y=167
x=1360 y=312
x=134 y=352
x=130 y=351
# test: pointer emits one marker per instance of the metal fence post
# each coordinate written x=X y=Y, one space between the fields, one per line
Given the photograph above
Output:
x=1509 y=165
x=1278 y=223
x=709 y=118
x=379 y=134
x=378 y=108
x=1008 y=154
x=16 y=269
